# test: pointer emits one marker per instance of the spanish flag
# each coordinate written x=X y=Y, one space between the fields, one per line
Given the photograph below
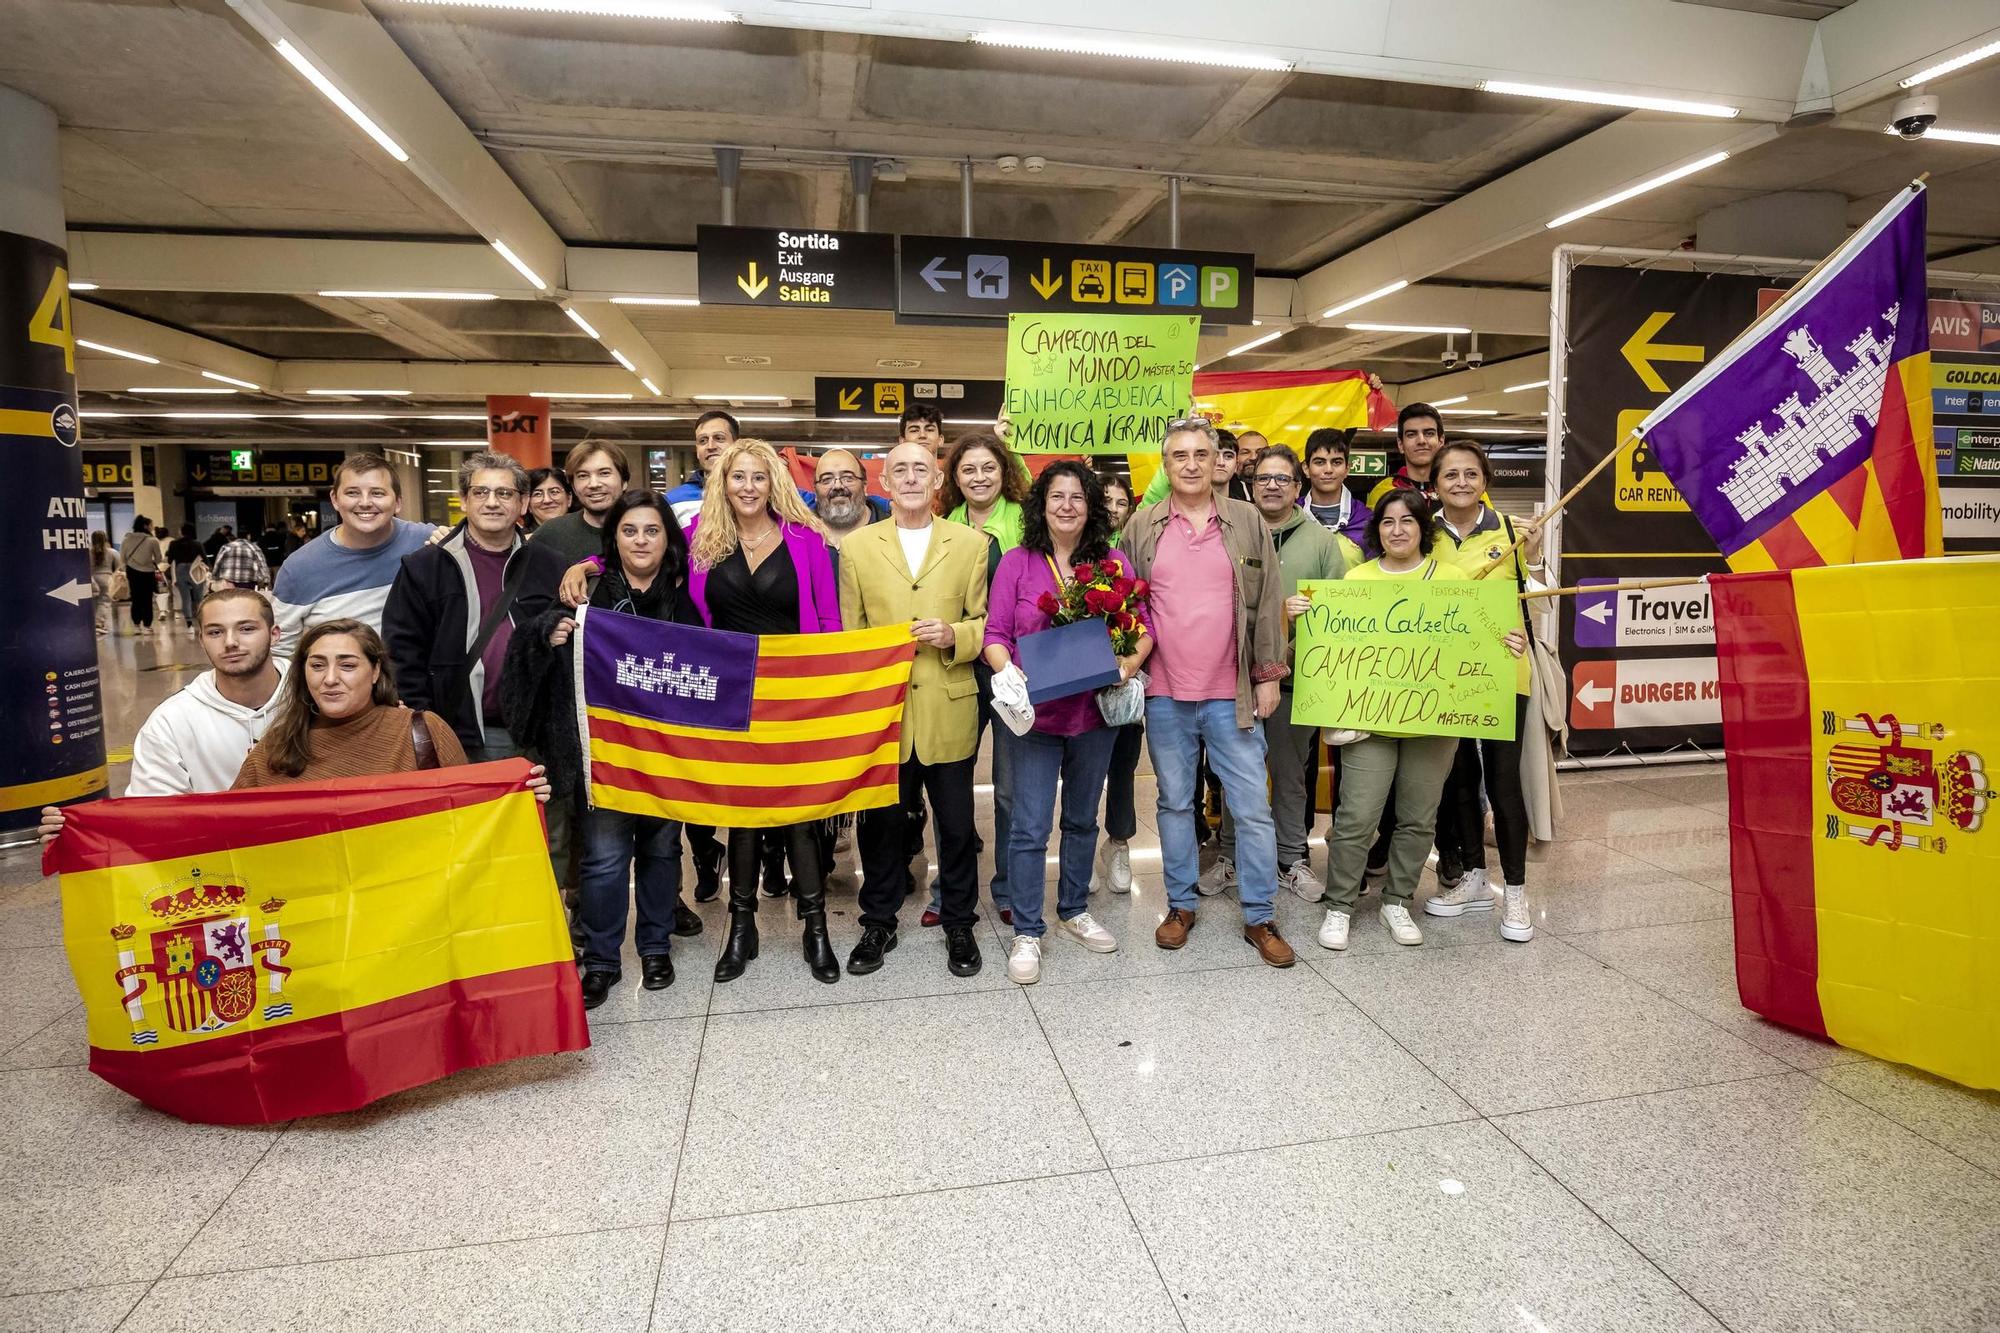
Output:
x=739 y=730
x=257 y=956
x=1285 y=405
x=1861 y=716
x=1807 y=441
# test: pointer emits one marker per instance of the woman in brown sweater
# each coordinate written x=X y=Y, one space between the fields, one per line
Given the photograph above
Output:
x=338 y=717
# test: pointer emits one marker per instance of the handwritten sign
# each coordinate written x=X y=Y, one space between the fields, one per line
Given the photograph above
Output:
x=1408 y=657
x=1097 y=384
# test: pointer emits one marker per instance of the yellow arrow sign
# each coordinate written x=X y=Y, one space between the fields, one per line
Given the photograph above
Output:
x=752 y=285
x=1047 y=284
x=850 y=399
x=1641 y=351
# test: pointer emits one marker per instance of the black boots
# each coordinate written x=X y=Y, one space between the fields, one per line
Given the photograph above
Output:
x=740 y=946
x=749 y=853
x=819 y=950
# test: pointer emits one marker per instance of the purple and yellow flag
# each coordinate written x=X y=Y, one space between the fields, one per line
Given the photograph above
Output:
x=739 y=730
x=1861 y=715
x=1808 y=440
x=256 y=956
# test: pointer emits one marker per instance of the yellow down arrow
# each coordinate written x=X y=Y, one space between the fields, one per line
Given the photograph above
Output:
x=1641 y=351
x=753 y=286
x=849 y=399
x=1048 y=284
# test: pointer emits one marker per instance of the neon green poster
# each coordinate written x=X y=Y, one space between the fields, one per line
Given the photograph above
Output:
x=1097 y=384
x=1408 y=657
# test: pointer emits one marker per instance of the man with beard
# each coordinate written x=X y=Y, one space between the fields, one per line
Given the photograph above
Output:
x=599 y=473
x=714 y=431
x=840 y=486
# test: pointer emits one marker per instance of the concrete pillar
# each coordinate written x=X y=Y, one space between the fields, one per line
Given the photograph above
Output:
x=51 y=709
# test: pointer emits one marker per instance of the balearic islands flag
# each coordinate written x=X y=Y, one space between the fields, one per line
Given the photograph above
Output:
x=739 y=730
x=1807 y=441
x=256 y=956
x=1861 y=714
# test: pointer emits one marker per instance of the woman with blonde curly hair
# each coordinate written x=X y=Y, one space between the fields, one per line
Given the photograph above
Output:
x=760 y=565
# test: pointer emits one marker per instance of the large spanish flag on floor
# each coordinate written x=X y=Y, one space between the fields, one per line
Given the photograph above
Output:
x=1807 y=441
x=257 y=956
x=1861 y=715
x=739 y=730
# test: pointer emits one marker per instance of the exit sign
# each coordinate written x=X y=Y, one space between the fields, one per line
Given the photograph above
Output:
x=242 y=460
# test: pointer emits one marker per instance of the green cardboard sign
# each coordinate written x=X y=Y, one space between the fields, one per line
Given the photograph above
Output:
x=1097 y=384
x=1407 y=657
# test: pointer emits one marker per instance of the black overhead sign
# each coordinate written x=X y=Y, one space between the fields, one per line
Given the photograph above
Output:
x=967 y=276
x=768 y=266
x=872 y=396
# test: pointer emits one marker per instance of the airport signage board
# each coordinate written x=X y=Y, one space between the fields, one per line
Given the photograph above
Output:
x=863 y=397
x=796 y=268
x=980 y=278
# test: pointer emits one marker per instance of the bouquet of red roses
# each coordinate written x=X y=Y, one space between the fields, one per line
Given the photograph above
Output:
x=1100 y=590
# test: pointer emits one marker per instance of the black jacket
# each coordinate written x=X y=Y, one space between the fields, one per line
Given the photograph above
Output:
x=428 y=626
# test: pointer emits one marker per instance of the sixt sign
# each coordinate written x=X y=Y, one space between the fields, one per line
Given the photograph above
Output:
x=770 y=266
x=963 y=276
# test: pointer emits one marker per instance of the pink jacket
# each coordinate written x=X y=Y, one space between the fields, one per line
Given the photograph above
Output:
x=819 y=596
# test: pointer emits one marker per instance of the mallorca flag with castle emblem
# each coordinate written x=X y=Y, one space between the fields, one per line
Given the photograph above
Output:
x=1808 y=440
x=256 y=956
x=1861 y=716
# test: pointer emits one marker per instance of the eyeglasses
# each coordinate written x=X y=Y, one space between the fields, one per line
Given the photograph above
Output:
x=1277 y=479
x=501 y=493
x=841 y=478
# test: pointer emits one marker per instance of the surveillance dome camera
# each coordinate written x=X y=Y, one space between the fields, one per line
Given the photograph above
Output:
x=1035 y=163
x=1914 y=115
x=1008 y=164
x=1450 y=357
x=1475 y=357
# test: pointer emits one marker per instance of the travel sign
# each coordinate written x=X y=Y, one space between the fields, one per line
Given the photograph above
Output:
x=771 y=266
x=963 y=276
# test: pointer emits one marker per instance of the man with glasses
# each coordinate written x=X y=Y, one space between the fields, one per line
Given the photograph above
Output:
x=1305 y=551
x=841 y=499
x=1214 y=676
x=455 y=604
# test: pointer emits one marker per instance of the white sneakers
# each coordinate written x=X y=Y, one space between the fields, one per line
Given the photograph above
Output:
x=1472 y=893
x=1220 y=876
x=1396 y=918
x=1333 y=930
x=1024 y=965
x=1113 y=866
x=1083 y=928
x=1299 y=878
x=1515 y=923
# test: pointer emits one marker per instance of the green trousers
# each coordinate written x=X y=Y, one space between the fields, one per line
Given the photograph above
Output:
x=1414 y=770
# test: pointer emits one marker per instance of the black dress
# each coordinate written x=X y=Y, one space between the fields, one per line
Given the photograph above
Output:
x=764 y=600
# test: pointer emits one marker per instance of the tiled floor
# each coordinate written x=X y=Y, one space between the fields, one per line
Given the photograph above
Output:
x=1582 y=1133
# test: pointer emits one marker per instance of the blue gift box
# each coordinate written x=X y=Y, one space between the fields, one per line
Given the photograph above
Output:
x=1068 y=659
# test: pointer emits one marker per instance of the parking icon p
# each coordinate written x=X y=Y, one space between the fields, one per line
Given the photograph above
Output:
x=1220 y=288
x=1177 y=284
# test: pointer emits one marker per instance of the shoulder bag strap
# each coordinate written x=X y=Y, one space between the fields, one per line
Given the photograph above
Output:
x=490 y=625
x=420 y=741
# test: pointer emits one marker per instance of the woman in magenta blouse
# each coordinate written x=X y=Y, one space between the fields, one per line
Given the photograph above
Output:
x=1064 y=523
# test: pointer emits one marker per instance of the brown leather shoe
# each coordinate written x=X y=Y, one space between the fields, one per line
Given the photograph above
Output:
x=1270 y=947
x=1173 y=932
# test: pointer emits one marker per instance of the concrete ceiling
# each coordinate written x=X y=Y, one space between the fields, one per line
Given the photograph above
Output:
x=214 y=194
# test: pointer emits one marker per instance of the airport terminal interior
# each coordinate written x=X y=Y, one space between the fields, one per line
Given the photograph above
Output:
x=296 y=230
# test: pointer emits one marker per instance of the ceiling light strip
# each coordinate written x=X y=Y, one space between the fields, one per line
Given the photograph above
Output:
x=221 y=378
x=1088 y=46
x=655 y=300
x=1990 y=138
x=557 y=393
x=1654 y=183
x=581 y=323
x=520 y=267
x=1408 y=328
x=410 y=296
x=109 y=350
x=1523 y=388
x=1636 y=101
x=617 y=9
x=1375 y=295
x=297 y=60
x=1945 y=67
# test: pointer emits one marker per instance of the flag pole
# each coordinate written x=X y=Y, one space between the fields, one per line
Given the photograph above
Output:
x=1634 y=585
x=1556 y=508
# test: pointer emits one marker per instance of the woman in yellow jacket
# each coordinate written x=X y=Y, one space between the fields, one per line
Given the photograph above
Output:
x=1471 y=535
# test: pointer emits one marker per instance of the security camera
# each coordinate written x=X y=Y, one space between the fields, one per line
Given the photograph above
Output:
x=1450 y=357
x=1914 y=115
x=1008 y=165
x=1475 y=358
x=1035 y=162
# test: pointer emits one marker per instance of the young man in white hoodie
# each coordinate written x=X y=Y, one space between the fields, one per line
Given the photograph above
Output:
x=195 y=741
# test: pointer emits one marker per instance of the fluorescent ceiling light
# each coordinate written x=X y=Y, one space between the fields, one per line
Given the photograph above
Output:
x=579 y=321
x=766 y=420
x=520 y=267
x=654 y=300
x=340 y=99
x=776 y=399
x=451 y=416
x=656 y=416
x=1447 y=402
x=336 y=416
x=1945 y=67
x=412 y=296
x=208 y=416
x=455 y=444
x=1635 y=100
x=1273 y=336
x=1089 y=46
x=1523 y=388
x=228 y=379
x=92 y=414
x=1664 y=178
x=554 y=393
x=83 y=286
x=224 y=392
x=623 y=360
x=618 y=9
x=1477 y=412
x=651 y=387
x=1375 y=295
x=118 y=351
x=1409 y=328
x=1991 y=138
x=1496 y=430
x=358 y=393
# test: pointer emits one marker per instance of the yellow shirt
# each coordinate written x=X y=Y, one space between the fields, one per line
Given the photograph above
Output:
x=1480 y=548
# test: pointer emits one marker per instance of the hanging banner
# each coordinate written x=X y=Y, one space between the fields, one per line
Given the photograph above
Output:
x=1097 y=384
x=1409 y=656
x=51 y=712
x=519 y=428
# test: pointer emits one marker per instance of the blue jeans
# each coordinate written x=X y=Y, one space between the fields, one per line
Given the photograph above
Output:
x=1174 y=731
x=612 y=840
x=184 y=585
x=1038 y=759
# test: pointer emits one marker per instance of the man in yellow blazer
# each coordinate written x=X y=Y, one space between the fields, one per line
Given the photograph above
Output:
x=922 y=571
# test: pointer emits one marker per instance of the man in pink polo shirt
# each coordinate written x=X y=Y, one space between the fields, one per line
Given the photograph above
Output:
x=1218 y=626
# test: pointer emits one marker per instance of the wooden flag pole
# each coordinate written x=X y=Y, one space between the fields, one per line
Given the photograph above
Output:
x=1556 y=508
x=1633 y=586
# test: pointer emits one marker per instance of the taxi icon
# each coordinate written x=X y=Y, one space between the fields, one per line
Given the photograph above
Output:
x=1090 y=287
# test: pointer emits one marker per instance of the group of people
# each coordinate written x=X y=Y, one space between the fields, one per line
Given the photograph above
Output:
x=148 y=563
x=388 y=646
